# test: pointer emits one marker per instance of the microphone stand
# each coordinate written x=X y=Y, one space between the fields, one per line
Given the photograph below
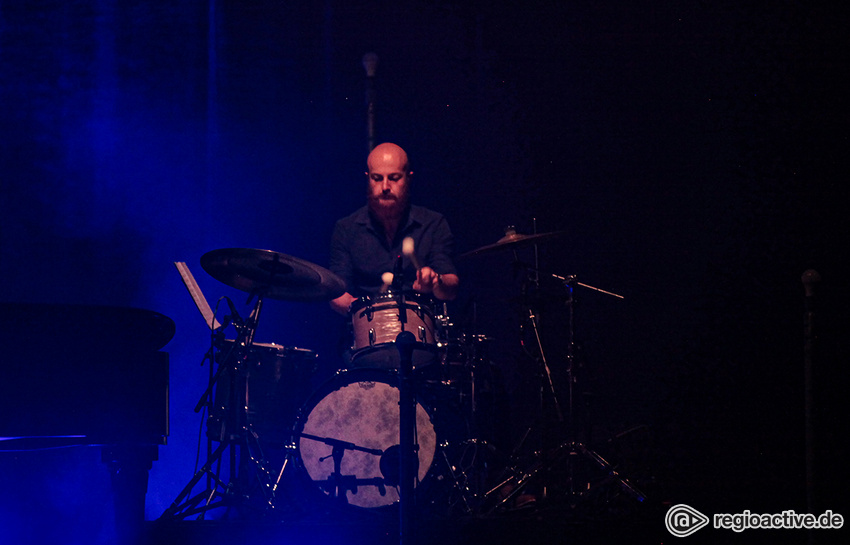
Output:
x=339 y=484
x=407 y=436
x=809 y=278
x=370 y=64
x=405 y=342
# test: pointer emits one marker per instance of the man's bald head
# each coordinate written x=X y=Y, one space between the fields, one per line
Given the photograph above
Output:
x=388 y=153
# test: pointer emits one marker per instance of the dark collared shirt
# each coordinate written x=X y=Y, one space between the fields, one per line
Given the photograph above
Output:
x=360 y=253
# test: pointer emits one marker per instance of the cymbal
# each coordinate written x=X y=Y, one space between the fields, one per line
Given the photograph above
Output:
x=272 y=274
x=512 y=241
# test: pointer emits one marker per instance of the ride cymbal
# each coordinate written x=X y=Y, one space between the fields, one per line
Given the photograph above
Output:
x=272 y=274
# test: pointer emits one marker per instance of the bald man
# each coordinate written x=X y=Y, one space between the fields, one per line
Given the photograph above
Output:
x=367 y=243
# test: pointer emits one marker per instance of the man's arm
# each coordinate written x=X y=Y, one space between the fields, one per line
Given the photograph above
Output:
x=441 y=286
x=340 y=263
x=446 y=288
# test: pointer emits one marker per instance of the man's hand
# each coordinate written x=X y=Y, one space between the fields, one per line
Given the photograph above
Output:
x=442 y=286
x=341 y=304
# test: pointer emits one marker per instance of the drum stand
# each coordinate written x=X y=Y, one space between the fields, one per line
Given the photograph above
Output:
x=236 y=434
x=570 y=451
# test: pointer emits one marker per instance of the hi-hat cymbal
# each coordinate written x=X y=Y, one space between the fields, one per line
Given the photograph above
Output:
x=512 y=241
x=272 y=274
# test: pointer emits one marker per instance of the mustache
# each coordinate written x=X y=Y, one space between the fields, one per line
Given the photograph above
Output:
x=385 y=197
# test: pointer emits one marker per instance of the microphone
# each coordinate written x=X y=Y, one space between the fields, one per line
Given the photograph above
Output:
x=810 y=278
x=408 y=249
x=370 y=64
x=234 y=317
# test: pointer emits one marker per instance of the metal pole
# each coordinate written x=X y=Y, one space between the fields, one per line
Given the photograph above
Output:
x=407 y=436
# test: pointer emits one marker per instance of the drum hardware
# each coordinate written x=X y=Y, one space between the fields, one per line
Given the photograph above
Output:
x=565 y=456
x=468 y=468
x=236 y=434
x=338 y=483
x=464 y=382
x=572 y=447
x=262 y=273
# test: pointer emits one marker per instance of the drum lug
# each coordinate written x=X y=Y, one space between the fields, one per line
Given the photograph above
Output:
x=371 y=337
x=422 y=337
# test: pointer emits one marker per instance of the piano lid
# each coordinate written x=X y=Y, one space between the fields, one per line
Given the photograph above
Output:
x=87 y=325
x=79 y=370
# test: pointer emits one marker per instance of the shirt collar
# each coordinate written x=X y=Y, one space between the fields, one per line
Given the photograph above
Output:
x=414 y=217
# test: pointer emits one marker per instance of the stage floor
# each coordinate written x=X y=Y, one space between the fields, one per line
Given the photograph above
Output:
x=520 y=529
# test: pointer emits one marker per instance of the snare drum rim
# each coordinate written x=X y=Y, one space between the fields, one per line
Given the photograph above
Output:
x=275 y=349
x=411 y=299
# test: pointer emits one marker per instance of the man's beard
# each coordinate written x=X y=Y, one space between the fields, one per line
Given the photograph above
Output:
x=388 y=208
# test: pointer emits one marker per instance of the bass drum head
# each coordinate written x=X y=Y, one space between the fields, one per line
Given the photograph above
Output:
x=358 y=411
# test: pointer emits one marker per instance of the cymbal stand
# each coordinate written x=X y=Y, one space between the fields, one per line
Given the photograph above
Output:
x=546 y=385
x=236 y=432
x=572 y=448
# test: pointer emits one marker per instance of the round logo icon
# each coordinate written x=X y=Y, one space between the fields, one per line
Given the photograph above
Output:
x=683 y=520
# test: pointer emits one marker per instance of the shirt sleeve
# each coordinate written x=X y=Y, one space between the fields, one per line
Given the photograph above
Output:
x=340 y=257
x=443 y=246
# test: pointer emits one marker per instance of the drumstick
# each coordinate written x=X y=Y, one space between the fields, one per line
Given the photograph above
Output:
x=387 y=279
x=408 y=250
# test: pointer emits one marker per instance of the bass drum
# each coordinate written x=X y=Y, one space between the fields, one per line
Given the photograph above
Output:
x=347 y=438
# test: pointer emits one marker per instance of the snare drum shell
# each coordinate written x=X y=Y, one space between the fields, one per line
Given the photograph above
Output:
x=376 y=323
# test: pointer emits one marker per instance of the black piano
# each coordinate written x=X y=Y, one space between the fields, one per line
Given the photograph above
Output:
x=88 y=375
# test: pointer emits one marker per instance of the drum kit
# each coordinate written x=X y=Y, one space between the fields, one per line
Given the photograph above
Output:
x=345 y=440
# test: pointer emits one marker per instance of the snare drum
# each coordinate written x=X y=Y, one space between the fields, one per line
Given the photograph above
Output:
x=376 y=322
x=355 y=416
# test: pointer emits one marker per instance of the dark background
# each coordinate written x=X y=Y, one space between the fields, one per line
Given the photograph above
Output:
x=694 y=153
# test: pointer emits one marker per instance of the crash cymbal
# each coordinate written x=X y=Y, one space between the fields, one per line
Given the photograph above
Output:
x=272 y=274
x=512 y=241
